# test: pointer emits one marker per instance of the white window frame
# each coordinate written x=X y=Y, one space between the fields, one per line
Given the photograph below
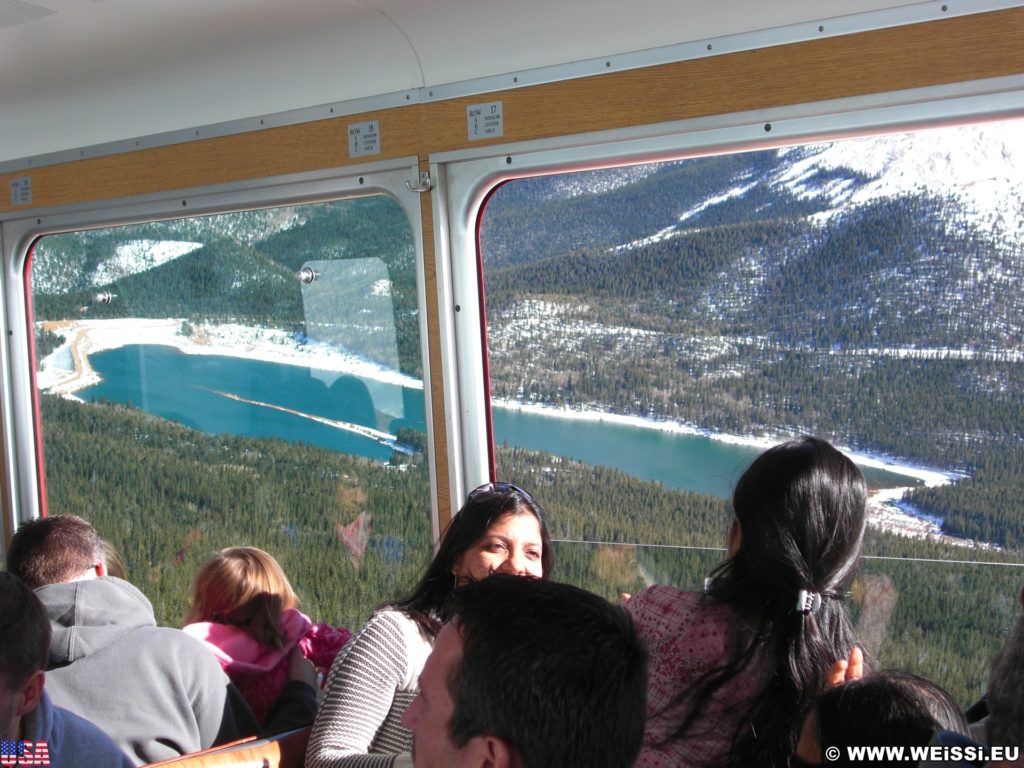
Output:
x=469 y=175
x=394 y=178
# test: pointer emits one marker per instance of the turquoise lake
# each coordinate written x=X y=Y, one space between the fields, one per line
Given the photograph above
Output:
x=245 y=397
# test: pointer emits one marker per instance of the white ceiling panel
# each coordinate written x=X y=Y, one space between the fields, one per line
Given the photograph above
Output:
x=77 y=73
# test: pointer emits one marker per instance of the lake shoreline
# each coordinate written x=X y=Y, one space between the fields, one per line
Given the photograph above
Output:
x=929 y=477
x=67 y=371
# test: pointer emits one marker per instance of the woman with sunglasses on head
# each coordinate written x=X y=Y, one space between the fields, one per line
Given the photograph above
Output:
x=500 y=529
x=734 y=670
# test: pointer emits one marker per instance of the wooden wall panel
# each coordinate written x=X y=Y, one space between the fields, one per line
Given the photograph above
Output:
x=936 y=53
x=207 y=162
x=441 y=464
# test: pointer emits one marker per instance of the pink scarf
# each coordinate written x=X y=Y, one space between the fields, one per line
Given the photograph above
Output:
x=261 y=671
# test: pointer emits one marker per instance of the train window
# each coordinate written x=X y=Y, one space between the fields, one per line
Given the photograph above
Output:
x=651 y=327
x=247 y=378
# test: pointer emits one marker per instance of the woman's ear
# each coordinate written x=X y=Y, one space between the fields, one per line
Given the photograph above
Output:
x=733 y=539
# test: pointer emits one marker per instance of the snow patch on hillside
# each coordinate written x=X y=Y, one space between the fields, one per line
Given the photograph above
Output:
x=981 y=166
x=595 y=182
x=137 y=256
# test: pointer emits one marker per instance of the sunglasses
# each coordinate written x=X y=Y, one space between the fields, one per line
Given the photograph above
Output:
x=488 y=489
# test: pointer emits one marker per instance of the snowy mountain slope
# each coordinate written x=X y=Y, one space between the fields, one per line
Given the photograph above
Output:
x=83 y=260
x=981 y=167
x=137 y=256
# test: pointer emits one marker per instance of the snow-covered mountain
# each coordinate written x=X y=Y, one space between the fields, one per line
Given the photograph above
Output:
x=980 y=168
x=975 y=162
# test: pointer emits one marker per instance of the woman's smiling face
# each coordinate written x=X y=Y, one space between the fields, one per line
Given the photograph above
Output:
x=512 y=544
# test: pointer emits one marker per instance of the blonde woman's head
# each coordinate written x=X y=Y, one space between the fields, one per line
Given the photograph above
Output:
x=245 y=587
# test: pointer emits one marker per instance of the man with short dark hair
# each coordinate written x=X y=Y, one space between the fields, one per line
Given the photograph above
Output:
x=28 y=719
x=55 y=550
x=156 y=691
x=531 y=674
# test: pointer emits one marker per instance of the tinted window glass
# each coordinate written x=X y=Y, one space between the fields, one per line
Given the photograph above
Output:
x=651 y=328
x=249 y=378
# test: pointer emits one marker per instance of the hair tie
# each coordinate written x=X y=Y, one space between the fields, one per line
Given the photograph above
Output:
x=807 y=602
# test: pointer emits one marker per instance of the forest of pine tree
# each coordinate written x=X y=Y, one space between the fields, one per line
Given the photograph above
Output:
x=167 y=497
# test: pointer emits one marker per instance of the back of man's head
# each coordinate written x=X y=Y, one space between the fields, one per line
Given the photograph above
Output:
x=556 y=672
x=1006 y=681
x=25 y=639
x=53 y=550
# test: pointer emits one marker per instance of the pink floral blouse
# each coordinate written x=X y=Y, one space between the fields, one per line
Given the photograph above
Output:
x=687 y=636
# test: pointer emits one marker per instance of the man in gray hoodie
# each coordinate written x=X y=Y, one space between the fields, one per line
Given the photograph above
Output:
x=31 y=727
x=156 y=691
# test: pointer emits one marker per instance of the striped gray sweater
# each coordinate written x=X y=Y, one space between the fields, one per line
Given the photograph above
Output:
x=372 y=682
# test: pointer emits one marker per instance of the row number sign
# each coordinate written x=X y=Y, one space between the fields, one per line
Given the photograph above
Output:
x=485 y=121
x=21 y=191
x=364 y=139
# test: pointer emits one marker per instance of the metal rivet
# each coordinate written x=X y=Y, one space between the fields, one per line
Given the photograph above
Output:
x=184 y=203
x=767 y=126
x=945 y=8
x=515 y=79
x=821 y=28
x=508 y=161
x=430 y=93
x=709 y=46
x=458 y=307
x=607 y=63
x=360 y=179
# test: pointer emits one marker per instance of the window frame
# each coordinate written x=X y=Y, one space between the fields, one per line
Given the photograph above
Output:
x=471 y=175
x=22 y=440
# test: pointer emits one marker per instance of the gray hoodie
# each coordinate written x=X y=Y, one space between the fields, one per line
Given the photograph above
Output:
x=156 y=691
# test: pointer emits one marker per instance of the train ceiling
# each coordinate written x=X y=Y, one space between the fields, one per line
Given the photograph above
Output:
x=78 y=73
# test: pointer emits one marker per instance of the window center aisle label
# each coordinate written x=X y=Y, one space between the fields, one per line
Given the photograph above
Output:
x=21 y=191
x=364 y=138
x=485 y=121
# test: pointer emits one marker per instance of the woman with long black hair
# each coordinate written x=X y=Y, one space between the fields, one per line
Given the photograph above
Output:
x=500 y=529
x=734 y=670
